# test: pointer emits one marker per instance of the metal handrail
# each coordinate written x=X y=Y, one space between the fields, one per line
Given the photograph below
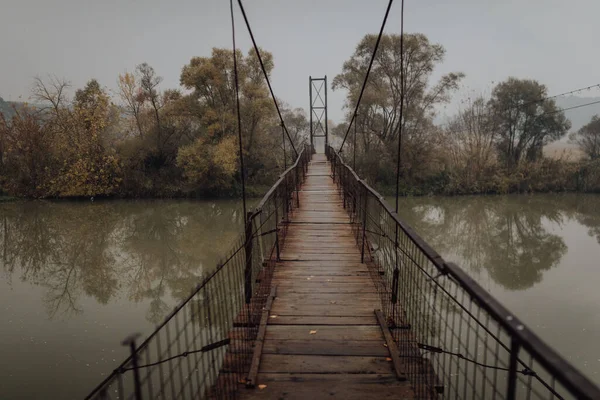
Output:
x=255 y=225
x=565 y=373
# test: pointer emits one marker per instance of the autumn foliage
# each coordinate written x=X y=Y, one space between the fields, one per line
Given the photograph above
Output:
x=143 y=141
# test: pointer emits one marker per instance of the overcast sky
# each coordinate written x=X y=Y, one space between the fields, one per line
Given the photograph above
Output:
x=553 y=41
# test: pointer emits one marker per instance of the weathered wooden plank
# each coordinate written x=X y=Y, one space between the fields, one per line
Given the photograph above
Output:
x=255 y=363
x=328 y=289
x=328 y=297
x=372 y=348
x=348 y=300
x=323 y=265
x=347 y=321
x=327 y=386
x=301 y=249
x=323 y=364
x=391 y=345
x=306 y=272
x=307 y=226
x=323 y=332
x=287 y=256
x=282 y=277
x=319 y=309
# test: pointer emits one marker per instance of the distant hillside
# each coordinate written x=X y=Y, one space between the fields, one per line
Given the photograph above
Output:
x=6 y=108
x=579 y=116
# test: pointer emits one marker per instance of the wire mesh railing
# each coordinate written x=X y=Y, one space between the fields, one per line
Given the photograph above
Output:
x=204 y=347
x=455 y=340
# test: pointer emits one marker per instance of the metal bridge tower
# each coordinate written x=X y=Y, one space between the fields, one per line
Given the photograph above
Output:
x=318 y=109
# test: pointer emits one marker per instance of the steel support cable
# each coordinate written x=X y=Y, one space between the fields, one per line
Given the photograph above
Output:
x=237 y=102
x=364 y=85
x=554 y=96
x=526 y=371
x=401 y=108
x=262 y=66
x=517 y=106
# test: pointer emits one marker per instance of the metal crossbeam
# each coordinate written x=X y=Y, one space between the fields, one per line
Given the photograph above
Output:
x=318 y=108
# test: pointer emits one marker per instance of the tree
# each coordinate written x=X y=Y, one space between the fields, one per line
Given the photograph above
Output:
x=213 y=102
x=471 y=139
x=27 y=146
x=131 y=94
x=379 y=112
x=524 y=123
x=84 y=162
x=210 y=167
x=148 y=84
x=588 y=138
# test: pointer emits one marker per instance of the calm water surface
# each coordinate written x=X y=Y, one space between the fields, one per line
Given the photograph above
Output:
x=538 y=255
x=78 y=277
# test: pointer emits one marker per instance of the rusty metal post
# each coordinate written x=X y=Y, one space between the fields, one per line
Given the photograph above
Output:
x=334 y=160
x=354 y=156
x=310 y=110
x=326 y=120
x=248 y=248
x=276 y=226
x=344 y=181
x=283 y=142
x=286 y=199
x=297 y=188
x=364 y=228
x=511 y=390
x=130 y=341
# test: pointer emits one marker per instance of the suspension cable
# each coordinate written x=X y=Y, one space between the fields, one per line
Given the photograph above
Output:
x=402 y=80
x=239 y=118
x=262 y=66
x=364 y=85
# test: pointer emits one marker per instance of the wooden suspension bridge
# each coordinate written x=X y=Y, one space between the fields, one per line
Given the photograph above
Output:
x=329 y=294
x=321 y=336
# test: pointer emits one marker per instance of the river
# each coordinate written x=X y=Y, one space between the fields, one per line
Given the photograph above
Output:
x=78 y=277
x=539 y=255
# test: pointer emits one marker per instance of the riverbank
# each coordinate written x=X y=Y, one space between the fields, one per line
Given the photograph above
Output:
x=252 y=191
x=547 y=176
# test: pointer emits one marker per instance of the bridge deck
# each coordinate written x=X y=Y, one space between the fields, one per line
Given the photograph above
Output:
x=322 y=339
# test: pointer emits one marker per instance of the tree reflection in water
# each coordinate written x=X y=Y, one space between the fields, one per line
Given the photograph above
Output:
x=144 y=250
x=506 y=236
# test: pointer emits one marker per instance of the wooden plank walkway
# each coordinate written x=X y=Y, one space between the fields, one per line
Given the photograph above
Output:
x=322 y=337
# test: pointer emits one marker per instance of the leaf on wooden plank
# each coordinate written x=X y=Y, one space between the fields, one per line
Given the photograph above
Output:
x=385 y=345
x=313 y=332
x=272 y=316
x=333 y=302
x=388 y=359
x=262 y=386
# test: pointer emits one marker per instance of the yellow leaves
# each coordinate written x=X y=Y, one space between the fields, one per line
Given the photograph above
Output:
x=127 y=79
x=225 y=155
x=261 y=387
x=312 y=332
x=211 y=166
